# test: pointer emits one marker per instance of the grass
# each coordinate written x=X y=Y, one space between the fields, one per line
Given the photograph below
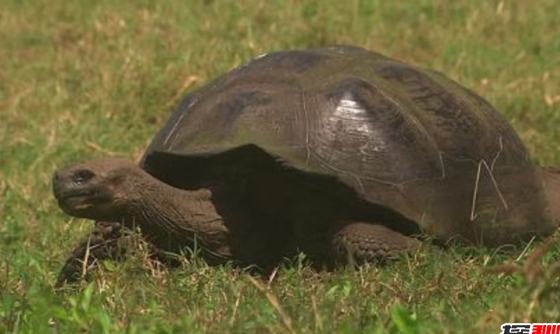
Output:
x=82 y=79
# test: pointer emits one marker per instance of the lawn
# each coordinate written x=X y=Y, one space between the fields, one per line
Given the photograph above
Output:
x=82 y=79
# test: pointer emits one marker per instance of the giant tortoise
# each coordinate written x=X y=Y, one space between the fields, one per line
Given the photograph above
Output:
x=339 y=153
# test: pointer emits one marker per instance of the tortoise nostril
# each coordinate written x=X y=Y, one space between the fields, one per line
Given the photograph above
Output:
x=82 y=176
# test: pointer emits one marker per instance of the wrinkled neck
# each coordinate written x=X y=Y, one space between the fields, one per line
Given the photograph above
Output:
x=173 y=218
x=551 y=181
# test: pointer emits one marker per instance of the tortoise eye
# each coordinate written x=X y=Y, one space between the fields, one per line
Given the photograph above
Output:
x=82 y=176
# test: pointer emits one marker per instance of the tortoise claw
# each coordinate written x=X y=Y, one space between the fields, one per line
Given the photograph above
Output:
x=99 y=245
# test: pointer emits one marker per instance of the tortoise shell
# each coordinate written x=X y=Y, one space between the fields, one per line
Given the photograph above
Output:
x=408 y=139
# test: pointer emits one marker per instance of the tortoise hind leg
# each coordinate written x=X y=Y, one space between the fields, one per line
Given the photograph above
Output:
x=359 y=242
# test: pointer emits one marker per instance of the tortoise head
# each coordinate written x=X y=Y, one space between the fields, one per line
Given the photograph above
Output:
x=99 y=189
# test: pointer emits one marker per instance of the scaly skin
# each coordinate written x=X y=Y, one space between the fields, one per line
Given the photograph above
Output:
x=102 y=243
x=551 y=181
x=173 y=220
x=118 y=191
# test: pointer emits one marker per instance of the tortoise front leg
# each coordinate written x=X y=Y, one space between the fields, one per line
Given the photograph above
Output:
x=358 y=242
x=102 y=243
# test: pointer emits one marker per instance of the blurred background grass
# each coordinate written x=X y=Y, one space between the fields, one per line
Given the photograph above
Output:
x=81 y=79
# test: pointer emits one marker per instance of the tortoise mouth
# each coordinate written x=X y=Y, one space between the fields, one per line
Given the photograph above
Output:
x=71 y=200
x=74 y=195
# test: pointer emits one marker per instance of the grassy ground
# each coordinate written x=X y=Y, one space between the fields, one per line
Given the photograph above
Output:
x=81 y=79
